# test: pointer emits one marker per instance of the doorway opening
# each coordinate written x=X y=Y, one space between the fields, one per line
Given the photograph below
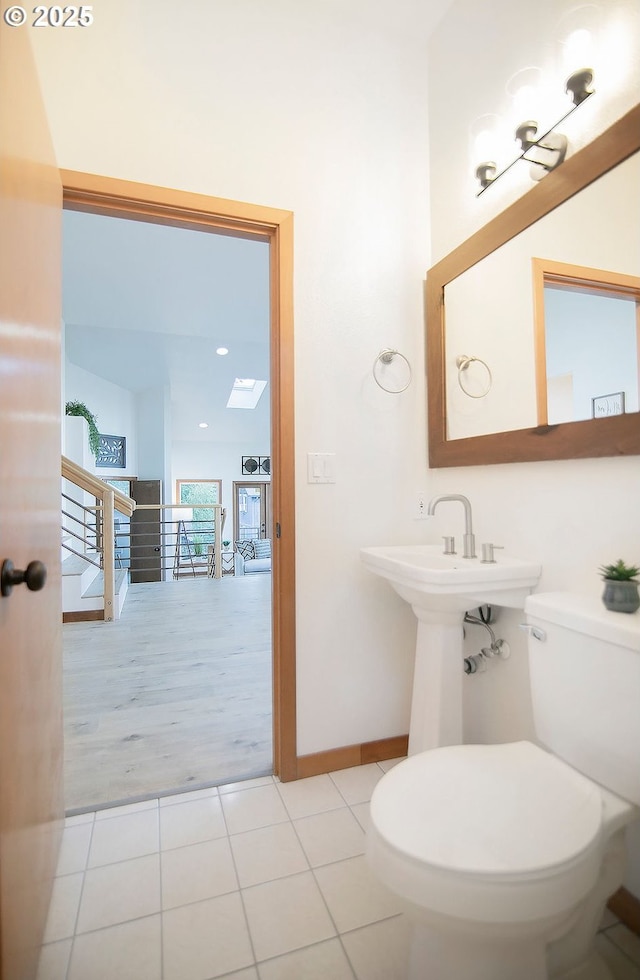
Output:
x=251 y=509
x=103 y=196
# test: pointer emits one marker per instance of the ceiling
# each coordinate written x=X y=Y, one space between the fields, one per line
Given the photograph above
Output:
x=146 y=306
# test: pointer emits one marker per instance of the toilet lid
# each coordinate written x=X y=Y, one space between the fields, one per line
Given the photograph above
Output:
x=488 y=809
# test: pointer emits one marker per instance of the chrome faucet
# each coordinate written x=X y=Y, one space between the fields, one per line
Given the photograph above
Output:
x=468 y=540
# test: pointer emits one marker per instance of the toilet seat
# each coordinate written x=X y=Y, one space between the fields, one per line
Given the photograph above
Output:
x=478 y=831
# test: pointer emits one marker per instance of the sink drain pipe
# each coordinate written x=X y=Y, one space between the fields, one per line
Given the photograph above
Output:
x=477 y=663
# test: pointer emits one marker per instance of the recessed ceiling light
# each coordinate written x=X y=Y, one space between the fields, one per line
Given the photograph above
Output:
x=203 y=425
x=222 y=351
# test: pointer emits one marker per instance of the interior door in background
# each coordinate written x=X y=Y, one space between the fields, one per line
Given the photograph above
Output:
x=251 y=510
x=31 y=797
x=146 y=533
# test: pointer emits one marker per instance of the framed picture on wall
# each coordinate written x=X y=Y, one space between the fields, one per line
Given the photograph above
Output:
x=252 y=465
x=112 y=452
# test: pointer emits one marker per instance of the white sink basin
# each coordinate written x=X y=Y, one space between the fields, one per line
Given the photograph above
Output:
x=430 y=580
x=440 y=589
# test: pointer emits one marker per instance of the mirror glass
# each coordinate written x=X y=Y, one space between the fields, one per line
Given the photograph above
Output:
x=528 y=356
x=589 y=332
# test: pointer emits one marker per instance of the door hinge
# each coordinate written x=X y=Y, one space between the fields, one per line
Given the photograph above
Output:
x=277 y=530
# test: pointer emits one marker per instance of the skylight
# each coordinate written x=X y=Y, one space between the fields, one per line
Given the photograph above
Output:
x=246 y=393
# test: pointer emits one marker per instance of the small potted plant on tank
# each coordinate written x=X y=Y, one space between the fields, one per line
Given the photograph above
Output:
x=621 y=586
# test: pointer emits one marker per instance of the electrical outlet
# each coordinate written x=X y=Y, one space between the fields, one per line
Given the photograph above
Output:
x=421 y=506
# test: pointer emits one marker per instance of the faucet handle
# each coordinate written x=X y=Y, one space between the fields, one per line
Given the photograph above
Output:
x=487 y=553
x=449 y=545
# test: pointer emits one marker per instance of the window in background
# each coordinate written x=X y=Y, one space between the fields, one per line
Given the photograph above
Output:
x=198 y=521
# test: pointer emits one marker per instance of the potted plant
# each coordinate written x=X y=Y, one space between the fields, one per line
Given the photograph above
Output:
x=79 y=408
x=621 y=586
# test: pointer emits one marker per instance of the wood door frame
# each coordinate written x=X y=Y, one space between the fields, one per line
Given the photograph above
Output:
x=182 y=209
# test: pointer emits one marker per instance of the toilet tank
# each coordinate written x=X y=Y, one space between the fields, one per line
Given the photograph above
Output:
x=585 y=687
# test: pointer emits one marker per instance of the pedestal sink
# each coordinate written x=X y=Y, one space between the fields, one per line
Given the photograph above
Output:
x=440 y=589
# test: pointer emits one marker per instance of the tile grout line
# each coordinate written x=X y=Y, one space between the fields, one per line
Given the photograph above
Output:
x=317 y=883
x=77 y=916
x=75 y=935
x=235 y=871
x=620 y=949
x=161 y=893
x=312 y=870
x=348 y=931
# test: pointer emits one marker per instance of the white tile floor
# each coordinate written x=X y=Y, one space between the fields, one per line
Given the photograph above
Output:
x=258 y=880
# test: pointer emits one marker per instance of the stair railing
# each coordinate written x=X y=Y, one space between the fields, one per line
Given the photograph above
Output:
x=79 y=523
x=185 y=546
x=100 y=537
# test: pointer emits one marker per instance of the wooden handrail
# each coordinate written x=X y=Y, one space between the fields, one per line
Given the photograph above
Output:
x=111 y=500
x=94 y=485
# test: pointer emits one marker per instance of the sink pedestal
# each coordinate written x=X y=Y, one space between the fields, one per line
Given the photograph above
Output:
x=440 y=589
x=436 y=704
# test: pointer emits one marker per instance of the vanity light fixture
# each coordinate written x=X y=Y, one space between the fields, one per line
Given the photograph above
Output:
x=547 y=151
x=486 y=173
x=579 y=84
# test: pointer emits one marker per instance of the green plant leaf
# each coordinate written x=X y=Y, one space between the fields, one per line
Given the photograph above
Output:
x=81 y=410
x=619 y=571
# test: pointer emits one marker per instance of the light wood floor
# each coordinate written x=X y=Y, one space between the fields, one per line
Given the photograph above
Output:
x=177 y=694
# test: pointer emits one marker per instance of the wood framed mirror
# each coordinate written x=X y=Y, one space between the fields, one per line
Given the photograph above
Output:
x=610 y=435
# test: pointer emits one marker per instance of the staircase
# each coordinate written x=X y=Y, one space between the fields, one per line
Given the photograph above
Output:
x=96 y=546
x=92 y=586
x=83 y=590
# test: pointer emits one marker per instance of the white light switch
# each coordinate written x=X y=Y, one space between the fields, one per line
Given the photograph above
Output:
x=321 y=467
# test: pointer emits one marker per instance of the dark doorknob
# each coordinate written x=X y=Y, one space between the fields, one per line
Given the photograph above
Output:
x=34 y=576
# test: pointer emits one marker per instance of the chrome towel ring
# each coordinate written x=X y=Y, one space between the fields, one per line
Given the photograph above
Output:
x=391 y=374
x=462 y=363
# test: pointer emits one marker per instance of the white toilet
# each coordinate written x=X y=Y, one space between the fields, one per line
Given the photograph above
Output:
x=505 y=855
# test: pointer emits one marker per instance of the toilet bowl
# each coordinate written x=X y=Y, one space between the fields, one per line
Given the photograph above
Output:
x=504 y=855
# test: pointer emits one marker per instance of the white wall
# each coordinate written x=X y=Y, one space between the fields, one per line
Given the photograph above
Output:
x=216 y=453
x=114 y=410
x=153 y=419
x=216 y=461
x=568 y=515
x=602 y=331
